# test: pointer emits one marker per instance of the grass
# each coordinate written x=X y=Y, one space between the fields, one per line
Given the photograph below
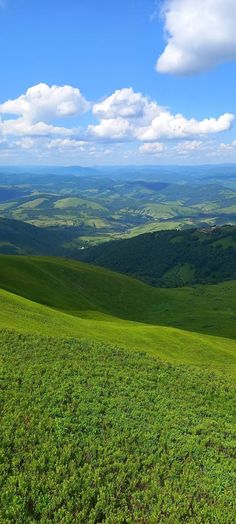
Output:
x=64 y=298
x=107 y=415
x=92 y=433
x=170 y=344
x=76 y=287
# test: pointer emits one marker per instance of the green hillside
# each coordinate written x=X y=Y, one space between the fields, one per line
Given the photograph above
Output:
x=84 y=290
x=175 y=258
x=171 y=258
x=20 y=238
x=17 y=237
x=109 y=414
x=170 y=344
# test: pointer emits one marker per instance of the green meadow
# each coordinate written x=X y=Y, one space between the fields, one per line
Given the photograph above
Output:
x=118 y=399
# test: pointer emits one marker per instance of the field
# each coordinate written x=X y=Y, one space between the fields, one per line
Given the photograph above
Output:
x=111 y=413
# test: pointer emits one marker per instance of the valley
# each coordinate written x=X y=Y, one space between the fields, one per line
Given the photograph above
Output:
x=119 y=203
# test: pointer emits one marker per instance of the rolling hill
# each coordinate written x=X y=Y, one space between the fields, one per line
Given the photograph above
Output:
x=116 y=203
x=175 y=258
x=171 y=258
x=109 y=413
x=115 y=306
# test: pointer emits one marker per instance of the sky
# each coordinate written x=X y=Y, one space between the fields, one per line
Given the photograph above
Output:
x=99 y=82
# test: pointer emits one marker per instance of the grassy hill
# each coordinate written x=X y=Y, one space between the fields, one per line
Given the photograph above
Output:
x=171 y=345
x=110 y=414
x=110 y=307
x=84 y=290
x=171 y=258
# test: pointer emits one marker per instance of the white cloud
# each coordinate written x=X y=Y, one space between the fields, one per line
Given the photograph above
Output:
x=200 y=35
x=66 y=144
x=27 y=123
x=153 y=148
x=38 y=107
x=111 y=128
x=121 y=112
x=125 y=103
x=26 y=143
x=170 y=126
x=44 y=103
x=188 y=147
x=228 y=147
x=127 y=114
x=20 y=127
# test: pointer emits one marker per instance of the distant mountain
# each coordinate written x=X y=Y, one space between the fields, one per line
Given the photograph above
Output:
x=110 y=203
x=171 y=258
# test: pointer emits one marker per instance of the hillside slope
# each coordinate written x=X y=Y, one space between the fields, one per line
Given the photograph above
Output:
x=171 y=258
x=20 y=238
x=108 y=419
x=84 y=290
x=91 y=433
x=172 y=345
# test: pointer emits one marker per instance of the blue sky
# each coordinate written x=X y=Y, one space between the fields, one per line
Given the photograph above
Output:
x=147 y=82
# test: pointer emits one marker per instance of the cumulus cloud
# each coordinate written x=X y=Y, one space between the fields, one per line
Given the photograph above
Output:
x=171 y=126
x=20 y=127
x=66 y=144
x=112 y=128
x=125 y=103
x=44 y=103
x=30 y=122
x=121 y=112
x=154 y=148
x=200 y=35
x=129 y=114
x=35 y=110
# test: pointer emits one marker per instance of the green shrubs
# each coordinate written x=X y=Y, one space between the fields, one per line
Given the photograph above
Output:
x=95 y=434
